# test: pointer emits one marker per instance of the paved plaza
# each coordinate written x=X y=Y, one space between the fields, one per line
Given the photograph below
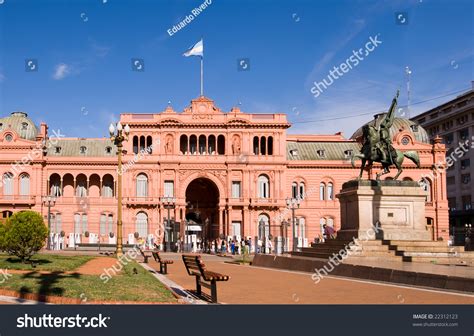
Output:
x=255 y=285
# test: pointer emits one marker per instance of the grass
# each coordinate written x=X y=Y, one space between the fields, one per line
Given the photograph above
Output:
x=44 y=262
x=125 y=286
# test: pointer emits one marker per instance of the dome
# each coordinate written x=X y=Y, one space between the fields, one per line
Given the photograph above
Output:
x=21 y=124
x=418 y=132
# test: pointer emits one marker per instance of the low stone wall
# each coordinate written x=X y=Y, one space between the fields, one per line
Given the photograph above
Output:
x=367 y=273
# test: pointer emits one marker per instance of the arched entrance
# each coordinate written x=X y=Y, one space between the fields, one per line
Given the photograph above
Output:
x=202 y=213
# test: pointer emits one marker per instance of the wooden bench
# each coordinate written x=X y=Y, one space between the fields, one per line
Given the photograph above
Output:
x=146 y=255
x=196 y=267
x=163 y=263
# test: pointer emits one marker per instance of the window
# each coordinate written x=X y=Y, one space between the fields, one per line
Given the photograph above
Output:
x=108 y=187
x=464 y=134
x=294 y=190
x=452 y=203
x=220 y=145
x=263 y=186
x=236 y=189
x=106 y=224
x=55 y=189
x=330 y=194
x=294 y=152
x=450 y=180
x=135 y=144
x=169 y=189
x=321 y=153
x=24 y=126
x=103 y=225
x=8 y=184
x=8 y=138
x=6 y=214
x=348 y=153
x=255 y=145
x=108 y=150
x=405 y=141
x=322 y=191
x=448 y=138
x=426 y=185
x=81 y=190
x=301 y=229
x=141 y=224
x=80 y=223
x=466 y=163
x=83 y=150
x=301 y=190
x=57 y=150
x=56 y=223
x=466 y=178
x=24 y=185
x=142 y=185
x=414 y=128
x=466 y=202
x=111 y=223
x=84 y=222
x=270 y=146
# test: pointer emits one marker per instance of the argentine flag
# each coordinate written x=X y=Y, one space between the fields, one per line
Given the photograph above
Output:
x=195 y=50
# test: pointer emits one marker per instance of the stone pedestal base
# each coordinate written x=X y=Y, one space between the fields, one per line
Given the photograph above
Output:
x=397 y=206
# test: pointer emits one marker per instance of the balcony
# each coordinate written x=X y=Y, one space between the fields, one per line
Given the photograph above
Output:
x=18 y=199
x=141 y=200
x=85 y=201
x=263 y=201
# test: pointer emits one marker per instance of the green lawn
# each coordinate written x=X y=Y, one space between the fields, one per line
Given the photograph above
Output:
x=44 y=262
x=126 y=286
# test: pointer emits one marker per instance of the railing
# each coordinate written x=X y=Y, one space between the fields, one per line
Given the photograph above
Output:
x=141 y=200
x=17 y=199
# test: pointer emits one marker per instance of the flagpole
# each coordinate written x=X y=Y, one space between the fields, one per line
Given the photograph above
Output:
x=202 y=76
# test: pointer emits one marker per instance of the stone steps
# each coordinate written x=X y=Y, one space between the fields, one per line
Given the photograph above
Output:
x=394 y=250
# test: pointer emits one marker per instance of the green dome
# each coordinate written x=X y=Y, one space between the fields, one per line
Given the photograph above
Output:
x=21 y=124
x=418 y=132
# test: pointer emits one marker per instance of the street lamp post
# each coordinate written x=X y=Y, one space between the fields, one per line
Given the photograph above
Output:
x=119 y=134
x=293 y=204
x=168 y=203
x=49 y=201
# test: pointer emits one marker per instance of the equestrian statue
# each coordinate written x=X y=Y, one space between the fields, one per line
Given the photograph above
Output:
x=377 y=145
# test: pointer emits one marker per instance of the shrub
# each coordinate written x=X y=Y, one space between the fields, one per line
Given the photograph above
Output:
x=23 y=235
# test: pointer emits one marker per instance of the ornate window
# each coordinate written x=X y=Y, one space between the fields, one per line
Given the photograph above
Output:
x=8 y=184
x=322 y=191
x=141 y=224
x=142 y=185
x=330 y=193
x=24 y=185
x=263 y=186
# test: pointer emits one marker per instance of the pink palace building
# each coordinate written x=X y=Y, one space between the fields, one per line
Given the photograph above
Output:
x=226 y=174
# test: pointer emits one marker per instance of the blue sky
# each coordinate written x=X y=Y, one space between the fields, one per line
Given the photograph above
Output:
x=84 y=50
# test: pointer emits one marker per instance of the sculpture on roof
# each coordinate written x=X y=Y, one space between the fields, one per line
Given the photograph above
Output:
x=377 y=145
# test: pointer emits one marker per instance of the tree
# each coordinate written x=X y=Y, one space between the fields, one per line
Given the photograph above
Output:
x=23 y=235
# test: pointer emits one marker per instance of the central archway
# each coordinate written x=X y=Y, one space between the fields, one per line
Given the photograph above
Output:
x=202 y=210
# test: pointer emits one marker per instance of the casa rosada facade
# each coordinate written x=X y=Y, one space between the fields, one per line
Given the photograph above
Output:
x=227 y=173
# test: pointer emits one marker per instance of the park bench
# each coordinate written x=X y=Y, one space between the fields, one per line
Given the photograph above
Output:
x=163 y=263
x=146 y=255
x=196 y=267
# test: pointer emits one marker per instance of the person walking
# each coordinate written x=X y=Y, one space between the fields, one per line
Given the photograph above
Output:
x=223 y=248
x=232 y=247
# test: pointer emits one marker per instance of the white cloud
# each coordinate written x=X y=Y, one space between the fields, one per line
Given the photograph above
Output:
x=61 y=71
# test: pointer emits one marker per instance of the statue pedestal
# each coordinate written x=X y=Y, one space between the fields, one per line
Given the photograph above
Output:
x=398 y=206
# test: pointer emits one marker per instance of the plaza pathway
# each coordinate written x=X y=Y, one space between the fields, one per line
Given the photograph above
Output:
x=254 y=285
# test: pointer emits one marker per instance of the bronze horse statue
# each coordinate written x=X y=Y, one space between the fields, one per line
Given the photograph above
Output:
x=371 y=152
